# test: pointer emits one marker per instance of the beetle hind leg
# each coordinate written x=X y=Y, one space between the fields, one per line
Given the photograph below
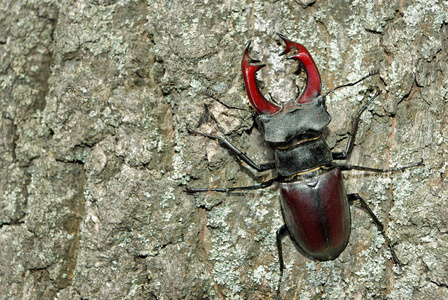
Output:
x=281 y=233
x=353 y=197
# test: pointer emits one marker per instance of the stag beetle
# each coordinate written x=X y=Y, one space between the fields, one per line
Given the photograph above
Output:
x=314 y=202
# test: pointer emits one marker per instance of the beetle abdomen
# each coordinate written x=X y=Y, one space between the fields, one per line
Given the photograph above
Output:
x=317 y=214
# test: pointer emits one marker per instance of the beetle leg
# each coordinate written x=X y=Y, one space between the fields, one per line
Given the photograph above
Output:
x=360 y=168
x=237 y=188
x=238 y=153
x=281 y=233
x=351 y=140
x=353 y=197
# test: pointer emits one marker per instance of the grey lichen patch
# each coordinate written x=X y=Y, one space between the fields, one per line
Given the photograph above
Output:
x=47 y=243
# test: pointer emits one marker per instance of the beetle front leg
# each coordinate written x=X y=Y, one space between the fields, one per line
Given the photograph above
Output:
x=238 y=153
x=353 y=197
x=351 y=140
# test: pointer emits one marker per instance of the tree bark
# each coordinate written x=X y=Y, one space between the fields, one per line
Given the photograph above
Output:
x=95 y=100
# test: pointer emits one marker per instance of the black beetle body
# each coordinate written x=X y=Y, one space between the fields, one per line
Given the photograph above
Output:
x=314 y=202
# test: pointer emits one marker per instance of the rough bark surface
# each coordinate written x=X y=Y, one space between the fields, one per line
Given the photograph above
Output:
x=95 y=98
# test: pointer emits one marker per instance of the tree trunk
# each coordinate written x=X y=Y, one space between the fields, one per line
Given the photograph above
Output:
x=95 y=100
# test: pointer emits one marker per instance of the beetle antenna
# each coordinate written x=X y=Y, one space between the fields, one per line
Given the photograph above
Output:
x=204 y=117
x=209 y=94
x=371 y=73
